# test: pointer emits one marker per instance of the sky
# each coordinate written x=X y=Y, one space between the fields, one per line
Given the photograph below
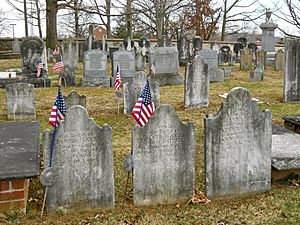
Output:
x=16 y=22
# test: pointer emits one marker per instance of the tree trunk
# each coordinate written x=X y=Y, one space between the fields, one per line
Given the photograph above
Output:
x=51 y=30
x=76 y=15
x=129 y=20
x=25 y=19
x=38 y=13
x=224 y=21
x=159 y=19
x=108 y=29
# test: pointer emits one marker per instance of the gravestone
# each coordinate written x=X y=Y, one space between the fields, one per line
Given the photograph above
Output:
x=20 y=101
x=292 y=123
x=141 y=55
x=224 y=55
x=82 y=166
x=133 y=91
x=268 y=40
x=196 y=85
x=126 y=61
x=183 y=50
x=32 y=50
x=285 y=153
x=82 y=48
x=258 y=73
x=246 y=59
x=211 y=58
x=197 y=45
x=163 y=156
x=19 y=150
x=279 y=60
x=292 y=68
x=95 y=63
x=227 y=71
x=238 y=147
x=16 y=46
x=70 y=61
x=237 y=47
x=166 y=64
x=75 y=99
x=261 y=57
x=6 y=75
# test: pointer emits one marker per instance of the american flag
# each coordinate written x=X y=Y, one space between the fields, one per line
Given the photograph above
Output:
x=144 y=107
x=118 y=82
x=58 y=110
x=153 y=68
x=55 y=51
x=58 y=66
x=40 y=67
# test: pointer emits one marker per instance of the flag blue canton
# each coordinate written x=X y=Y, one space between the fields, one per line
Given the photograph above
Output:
x=58 y=111
x=146 y=95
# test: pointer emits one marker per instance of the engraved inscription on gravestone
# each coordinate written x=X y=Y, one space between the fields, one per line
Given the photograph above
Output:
x=238 y=147
x=126 y=61
x=163 y=159
x=95 y=62
x=19 y=150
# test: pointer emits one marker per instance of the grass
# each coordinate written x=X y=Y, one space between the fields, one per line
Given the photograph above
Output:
x=281 y=205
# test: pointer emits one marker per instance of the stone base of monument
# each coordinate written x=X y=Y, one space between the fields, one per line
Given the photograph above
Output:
x=292 y=123
x=37 y=82
x=6 y=81
x=227 y=71
x=95 y=82
x=167 y=79
x=270 y=59
x=216 y=75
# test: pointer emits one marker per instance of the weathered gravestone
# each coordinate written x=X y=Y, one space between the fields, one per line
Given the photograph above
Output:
x=258 y=73
x=227 y=71
x=246 y=59
x=82 y=166
x=196 y=85
x=20 y=101
x=261 y=57
x=133 y=91
x=285 y=153
x=163 y=155
x=19 y=150
x=75 y=99
x=268 y=40
x=95 y=63
x=292 y=70
x=166 y=64
x=238 y=147
x=16 y=46
x=279 y=60
x=183 y=50
x=211 y=58
x=32 y=51
x=141 y=55
x=126 y=61
x=70 y=60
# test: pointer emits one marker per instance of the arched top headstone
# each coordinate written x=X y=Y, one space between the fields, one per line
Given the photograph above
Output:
x=197 y=43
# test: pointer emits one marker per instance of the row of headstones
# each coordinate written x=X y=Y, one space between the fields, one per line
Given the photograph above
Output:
x=237 y=157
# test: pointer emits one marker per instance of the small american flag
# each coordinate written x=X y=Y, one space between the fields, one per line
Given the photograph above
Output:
x=153 y=68
x=58 y=66
x=40 y=67
x=118 y=82
x=144 y=107
x=58 y=110
x=55 y=51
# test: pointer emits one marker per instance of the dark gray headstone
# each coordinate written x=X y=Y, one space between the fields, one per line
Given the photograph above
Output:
x=238 y=147
x=196 y=84
x=20 y=101
x=82 y=164
x=163 y=155
x=292 y=70
x=19 y=150
x=75 y=99
x=133 y=91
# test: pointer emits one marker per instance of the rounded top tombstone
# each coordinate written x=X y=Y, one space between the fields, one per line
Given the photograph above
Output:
x=197 y=43
x=143 y=42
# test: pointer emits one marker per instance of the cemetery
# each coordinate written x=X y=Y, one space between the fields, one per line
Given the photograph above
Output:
x=160 y=131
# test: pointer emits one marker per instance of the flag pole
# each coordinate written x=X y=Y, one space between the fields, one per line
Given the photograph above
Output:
x=52 y=148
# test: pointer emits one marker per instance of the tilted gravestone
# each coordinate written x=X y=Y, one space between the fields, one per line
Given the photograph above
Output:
x=279 y=60
x=238 y=147
x=32 y=50
x=211 y=58
x=292 y=68
x=70 y=61
x=19 y=150
x=126 y=61
x=163 y=155
x=133 y=91
x=20 y=101
x=95 y=63
x=82 y=166
x=196 y=85
x=75 y=99
x=246 y=59
x=166 y=64
x=258 y=73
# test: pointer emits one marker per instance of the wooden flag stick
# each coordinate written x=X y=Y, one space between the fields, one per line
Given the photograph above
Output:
x=118 y=105
x=44 y=202
x=125 y=191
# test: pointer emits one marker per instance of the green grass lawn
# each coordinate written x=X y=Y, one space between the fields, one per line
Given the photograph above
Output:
x=279 y=206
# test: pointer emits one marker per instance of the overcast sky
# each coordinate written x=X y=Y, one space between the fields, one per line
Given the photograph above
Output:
x=19 y=30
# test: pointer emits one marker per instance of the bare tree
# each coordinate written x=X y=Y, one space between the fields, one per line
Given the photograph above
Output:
x=4 y=28
x=234 y=11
